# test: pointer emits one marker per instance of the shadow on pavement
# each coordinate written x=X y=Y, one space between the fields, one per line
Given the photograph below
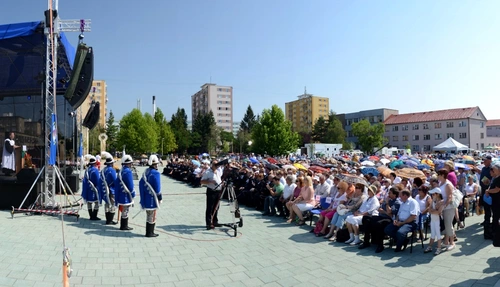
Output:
x=488 y=281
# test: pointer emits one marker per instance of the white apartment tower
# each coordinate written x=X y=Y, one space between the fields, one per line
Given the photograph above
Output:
x=218 y=99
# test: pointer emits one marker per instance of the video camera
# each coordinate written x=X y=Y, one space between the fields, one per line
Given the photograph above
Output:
x=230 y=172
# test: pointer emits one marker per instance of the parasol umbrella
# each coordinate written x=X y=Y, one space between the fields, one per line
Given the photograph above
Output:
x=367 y=170
x=385 y=161
x=395 y=163
x=205 y=161
x=368 y=163
x=253 y=160
x=272 y=160
x=410 y=173
x=195 y=162
x=299 y=166
x=411 y=163
x=428 y=162
x=374 y=158
x=461 y=165
x=423 y=166
x=329 y=165
x=415 y=159
x=272 y=166
x=385 y=171
x=352 y=179
x=404 y=157
x=205 y=154
x=468 y=157
x=305 y=165
x=318 y=169
x=287 y=166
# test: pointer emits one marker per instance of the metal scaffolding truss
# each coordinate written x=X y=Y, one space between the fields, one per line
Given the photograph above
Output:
x=52 y=32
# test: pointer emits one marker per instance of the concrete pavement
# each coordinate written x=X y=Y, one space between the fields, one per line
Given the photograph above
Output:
x=267 y=252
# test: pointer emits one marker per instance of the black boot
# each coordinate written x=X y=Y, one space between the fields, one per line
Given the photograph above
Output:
x=94 y=215
x=91 y=214
x=150 y=227
x=109 y=218
x=124 y=224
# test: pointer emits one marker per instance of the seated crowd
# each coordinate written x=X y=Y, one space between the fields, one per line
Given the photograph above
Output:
x=363 y=213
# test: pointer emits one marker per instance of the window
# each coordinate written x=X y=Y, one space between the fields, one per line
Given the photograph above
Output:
x=395 y=138
x=427 y=147
x=437 y=125
x=449 y=124
x=462 y=124
x=404 y=128
x=481 y=124
x=438 y=136
x=427 y=137
x=425 y=126
x=405 y=138
x=482 y=135
x=462 y=135
x=348 y=122
x=450 y=135
x=415 y=127
x=416 y=137
x=415 y=147
x=395 y=128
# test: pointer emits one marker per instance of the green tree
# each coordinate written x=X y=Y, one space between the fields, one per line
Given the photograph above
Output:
x=204 y=126
x=320 y=130
x=166 y=138
x=249 y=120
x=137 y=132
x=328 y=130
x=369 y=136
x=111 y=132
x=408 y=146
x=227 y=141
x=93 y=138
x=273 y=134
x=335 y=132
x=178 y=124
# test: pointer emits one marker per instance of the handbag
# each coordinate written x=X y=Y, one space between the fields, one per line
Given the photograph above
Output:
x=457 y=197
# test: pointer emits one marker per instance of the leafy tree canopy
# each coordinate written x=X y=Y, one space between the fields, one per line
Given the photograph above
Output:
x=273 y=134
x=369 y=136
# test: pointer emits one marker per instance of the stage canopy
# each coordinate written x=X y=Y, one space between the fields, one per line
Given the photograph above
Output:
x=450 y=145
x=22 y=60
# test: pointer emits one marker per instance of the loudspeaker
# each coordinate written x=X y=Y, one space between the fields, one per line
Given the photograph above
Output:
x=26 y=175
x=82 y=76
x=92 y=116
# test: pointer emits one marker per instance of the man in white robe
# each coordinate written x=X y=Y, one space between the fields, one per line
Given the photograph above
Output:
x=8 y=155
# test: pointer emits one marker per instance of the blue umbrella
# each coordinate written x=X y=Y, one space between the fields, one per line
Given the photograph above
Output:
x=411 y=163
x=195 y=162
x=367 y=170
x=205 y=154
x=461 y=165
x=423 y=166
x=254 y=160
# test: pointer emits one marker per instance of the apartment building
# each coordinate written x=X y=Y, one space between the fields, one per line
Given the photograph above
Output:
x=219 y=100
x=373 y=116
x=305 y=111
x=424 y=130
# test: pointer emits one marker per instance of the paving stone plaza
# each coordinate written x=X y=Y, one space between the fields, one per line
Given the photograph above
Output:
x=266 y=252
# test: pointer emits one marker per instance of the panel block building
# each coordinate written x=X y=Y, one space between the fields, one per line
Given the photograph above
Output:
x=219 y=100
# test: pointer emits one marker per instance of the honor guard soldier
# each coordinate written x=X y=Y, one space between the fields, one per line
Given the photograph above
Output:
x=150 y=192
x=124 y=189
x=212 y=178
x=107 y=189
x=90 y=193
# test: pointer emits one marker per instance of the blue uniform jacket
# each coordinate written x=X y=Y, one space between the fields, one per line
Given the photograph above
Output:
x=89 y=192
x=122 y=197
x=150 y=198
x=108 y=178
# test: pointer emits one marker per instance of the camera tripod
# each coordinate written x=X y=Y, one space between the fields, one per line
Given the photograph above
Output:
x=234 y=208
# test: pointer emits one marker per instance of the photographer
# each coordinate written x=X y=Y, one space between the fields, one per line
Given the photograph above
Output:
x=212 y=179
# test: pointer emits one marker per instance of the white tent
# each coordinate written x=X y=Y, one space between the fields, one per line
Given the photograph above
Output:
x=450 y=145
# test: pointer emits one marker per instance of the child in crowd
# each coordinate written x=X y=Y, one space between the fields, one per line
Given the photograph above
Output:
x=436 y=209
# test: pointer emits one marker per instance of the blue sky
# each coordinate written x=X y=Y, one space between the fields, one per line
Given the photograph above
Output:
x=406 y=55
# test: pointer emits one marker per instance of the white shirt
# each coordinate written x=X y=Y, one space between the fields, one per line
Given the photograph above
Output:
x=213 y=175
x=8 y=159
x=371 y=206
x=322 y=190
x=288 y=190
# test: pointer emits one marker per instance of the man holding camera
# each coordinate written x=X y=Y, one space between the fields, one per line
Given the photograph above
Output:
x=212 y=179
